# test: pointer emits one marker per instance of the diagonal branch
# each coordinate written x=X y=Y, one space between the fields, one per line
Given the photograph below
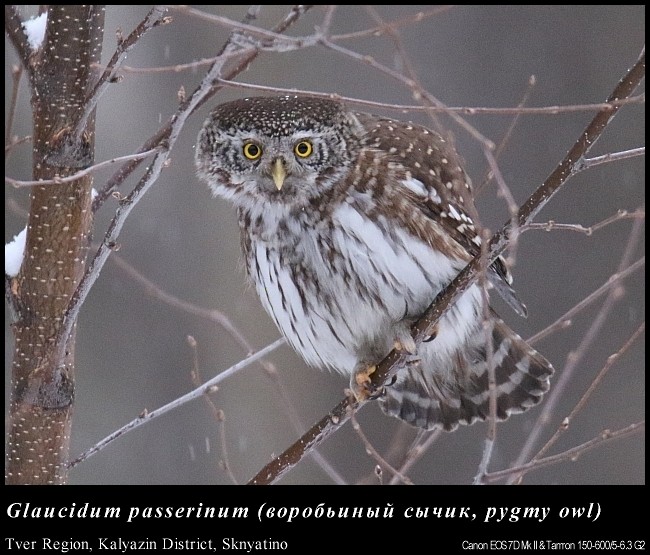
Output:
x=569 y=166
x=566 y=422
x=56 y=180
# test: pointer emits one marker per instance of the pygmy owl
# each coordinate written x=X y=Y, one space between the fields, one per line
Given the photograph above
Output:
x=351 y=224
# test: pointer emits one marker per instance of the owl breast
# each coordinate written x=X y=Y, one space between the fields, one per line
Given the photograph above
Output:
x=342 y=288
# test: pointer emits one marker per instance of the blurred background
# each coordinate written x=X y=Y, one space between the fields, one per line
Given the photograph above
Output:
x=132 y=351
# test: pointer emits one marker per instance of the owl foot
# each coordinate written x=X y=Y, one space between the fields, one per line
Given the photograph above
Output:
x=404 y=342
x=405 y=345
x=361 y=385
x=432 y=335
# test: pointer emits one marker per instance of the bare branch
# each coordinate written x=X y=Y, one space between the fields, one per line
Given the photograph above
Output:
x=612 y=157
x=370 y=450
x=277 y=38
x=488 y=330
x=428 y=438
x=75 y=176
x=14 y=142
x=219 y=318
x=391 y=26
x=506 y=138
x=565 y=320
x=566 y=422
x=147 y=416
x=218 y=414
x=418 y=91
x=552 y=225
x=574 y=358
x=408 y=68
x=440 y=108
x=570 y=455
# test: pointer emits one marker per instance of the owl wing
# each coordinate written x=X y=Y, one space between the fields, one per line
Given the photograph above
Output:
x=432 y=172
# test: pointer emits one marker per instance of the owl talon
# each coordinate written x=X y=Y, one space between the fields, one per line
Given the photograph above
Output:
x=361 y=385
x=432 y=336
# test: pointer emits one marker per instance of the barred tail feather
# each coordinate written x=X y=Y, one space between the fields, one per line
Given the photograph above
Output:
x=430 y=397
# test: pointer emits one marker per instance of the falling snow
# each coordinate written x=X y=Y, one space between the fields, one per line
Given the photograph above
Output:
x=14 y=253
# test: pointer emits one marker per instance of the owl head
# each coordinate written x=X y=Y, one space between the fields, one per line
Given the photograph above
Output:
x=288 y=149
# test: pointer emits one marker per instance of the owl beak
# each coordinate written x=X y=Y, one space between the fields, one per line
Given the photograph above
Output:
x=278 y=173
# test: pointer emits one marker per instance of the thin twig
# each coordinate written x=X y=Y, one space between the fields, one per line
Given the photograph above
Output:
x=504 y=191
x=14 y=142
x=277 y=37
x=574 y=357
x=219 y=318
x=391 y=26
x=570 y=455
x=412 y=85
x=410 y=72
x=468 y=110
x=428 y=438
x=375 y=454
x=488 y=331
x=218 y=414
x=506 y=137
x=210 y=314
x=326 y=23
x=613 y=157
x=87 y=171
x=566 y=422
x=552 y=225
x=207 y=387
x=566 y=319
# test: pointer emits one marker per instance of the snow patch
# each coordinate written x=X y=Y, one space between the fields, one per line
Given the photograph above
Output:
x=35 y=30
x=14 y=253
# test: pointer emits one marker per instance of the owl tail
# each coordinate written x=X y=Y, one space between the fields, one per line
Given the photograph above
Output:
x=429 y=396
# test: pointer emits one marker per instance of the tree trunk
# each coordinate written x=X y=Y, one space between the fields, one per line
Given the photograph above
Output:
x=58 y=232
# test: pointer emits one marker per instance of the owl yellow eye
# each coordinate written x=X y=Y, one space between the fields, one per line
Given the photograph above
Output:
x=252 y=151
x=303 y=149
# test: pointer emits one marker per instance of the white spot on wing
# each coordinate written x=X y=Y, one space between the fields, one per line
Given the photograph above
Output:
x=453 y=212
x=416 y=186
